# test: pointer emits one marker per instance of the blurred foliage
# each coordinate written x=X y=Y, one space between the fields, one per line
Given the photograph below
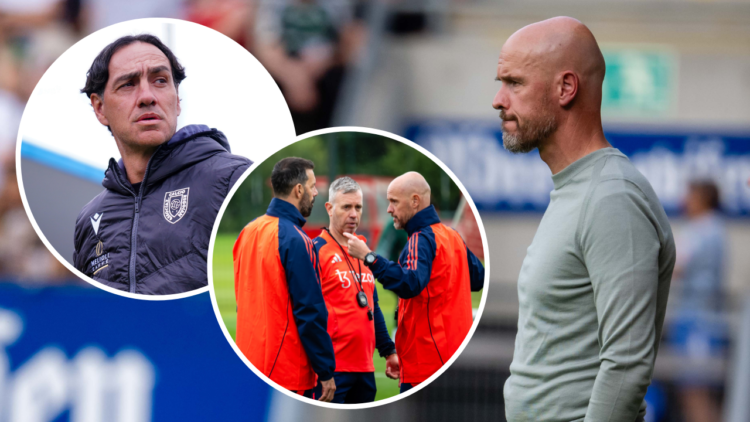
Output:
x=334 y=155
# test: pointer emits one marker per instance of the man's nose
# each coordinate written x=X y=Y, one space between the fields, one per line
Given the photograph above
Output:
x=500 y=102
x=146 y=97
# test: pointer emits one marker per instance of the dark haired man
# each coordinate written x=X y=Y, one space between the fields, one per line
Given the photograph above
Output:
x=148 y=232
x=281 y=314
x=593 y=287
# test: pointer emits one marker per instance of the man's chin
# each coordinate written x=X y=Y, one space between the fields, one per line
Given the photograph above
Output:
x=513 y=144
x=151 y=140
x=154 y=135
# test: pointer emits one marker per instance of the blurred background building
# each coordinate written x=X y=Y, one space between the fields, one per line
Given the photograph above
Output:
x=676 y=101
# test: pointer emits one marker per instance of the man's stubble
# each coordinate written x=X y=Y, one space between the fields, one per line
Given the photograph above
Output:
x=532 y=133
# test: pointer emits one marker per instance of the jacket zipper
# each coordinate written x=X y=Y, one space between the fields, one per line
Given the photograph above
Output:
x=134 y=233
x=134 y=230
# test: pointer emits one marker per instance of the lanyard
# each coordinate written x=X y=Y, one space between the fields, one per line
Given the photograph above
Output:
x=361 y=296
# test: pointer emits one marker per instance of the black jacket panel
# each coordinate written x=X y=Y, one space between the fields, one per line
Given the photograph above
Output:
x=156 y=242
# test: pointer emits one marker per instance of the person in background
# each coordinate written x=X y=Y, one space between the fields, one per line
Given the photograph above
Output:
x=698 y=331
x=23 y=256
x=233 y=18
x=305 y=45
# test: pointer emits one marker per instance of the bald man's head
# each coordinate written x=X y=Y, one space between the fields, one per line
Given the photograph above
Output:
x=548 y=69
x=407 y=195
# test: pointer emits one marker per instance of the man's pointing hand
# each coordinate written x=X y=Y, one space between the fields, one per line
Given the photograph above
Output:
x=357 y=248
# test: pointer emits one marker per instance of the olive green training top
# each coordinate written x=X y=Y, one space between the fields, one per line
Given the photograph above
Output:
x=592 y=295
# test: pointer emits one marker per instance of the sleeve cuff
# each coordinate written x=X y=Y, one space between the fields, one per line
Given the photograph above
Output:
x=386 y=354
x=325 y=377
x=379 y=266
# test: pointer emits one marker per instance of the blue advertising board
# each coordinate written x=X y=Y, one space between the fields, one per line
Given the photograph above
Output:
x=500 y=181
x=82 y=354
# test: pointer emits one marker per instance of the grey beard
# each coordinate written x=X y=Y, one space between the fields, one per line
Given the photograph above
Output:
x=530 y=138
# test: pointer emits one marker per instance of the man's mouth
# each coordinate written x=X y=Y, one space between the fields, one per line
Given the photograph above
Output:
x=507 y=123
x=149 y=117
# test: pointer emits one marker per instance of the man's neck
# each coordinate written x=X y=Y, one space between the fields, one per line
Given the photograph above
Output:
x=570 y=143
x=135 y=161
x=290 y=200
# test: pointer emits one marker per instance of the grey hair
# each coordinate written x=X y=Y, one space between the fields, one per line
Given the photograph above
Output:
x=344 y=185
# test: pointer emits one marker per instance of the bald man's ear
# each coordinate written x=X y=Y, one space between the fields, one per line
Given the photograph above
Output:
x=568 y=88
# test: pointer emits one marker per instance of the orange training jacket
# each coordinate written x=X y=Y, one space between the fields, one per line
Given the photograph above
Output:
x=281 y=314
x=434 y=278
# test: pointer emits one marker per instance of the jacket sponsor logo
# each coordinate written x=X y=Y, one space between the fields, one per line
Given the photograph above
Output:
x=346 y=282
x=95 y=220
x=99 y=263
x=336 y=258
x=176 y=204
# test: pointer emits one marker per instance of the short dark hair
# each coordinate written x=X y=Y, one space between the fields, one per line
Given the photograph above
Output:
x=98 y=74
x=708 y=192
x=287 y=173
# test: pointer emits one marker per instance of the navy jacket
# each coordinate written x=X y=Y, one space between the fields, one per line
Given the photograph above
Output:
x=408 y=277
x=155 y=240
x=308 y=306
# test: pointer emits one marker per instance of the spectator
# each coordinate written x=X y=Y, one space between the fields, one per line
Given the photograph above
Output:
x=305 y=45
x=233 y=18
x=98 y=14
x=22 y=254
x=698 y=331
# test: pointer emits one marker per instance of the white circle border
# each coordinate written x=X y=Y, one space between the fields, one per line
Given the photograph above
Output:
x=446 y=365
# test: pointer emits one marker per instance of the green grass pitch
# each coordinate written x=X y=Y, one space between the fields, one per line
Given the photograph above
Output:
x=223 y=278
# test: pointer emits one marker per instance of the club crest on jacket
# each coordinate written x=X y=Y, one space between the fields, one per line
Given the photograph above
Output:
x=176 y=204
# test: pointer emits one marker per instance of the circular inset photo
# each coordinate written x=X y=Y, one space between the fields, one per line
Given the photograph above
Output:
x=130 y=143
x=349 y=268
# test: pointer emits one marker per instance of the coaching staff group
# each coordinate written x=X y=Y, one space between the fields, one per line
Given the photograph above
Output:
x=148 y=231
x=593 y=287
x=281 y=314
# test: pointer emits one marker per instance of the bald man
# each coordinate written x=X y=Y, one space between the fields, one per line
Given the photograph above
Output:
x=593 y=287
x=434 y=277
